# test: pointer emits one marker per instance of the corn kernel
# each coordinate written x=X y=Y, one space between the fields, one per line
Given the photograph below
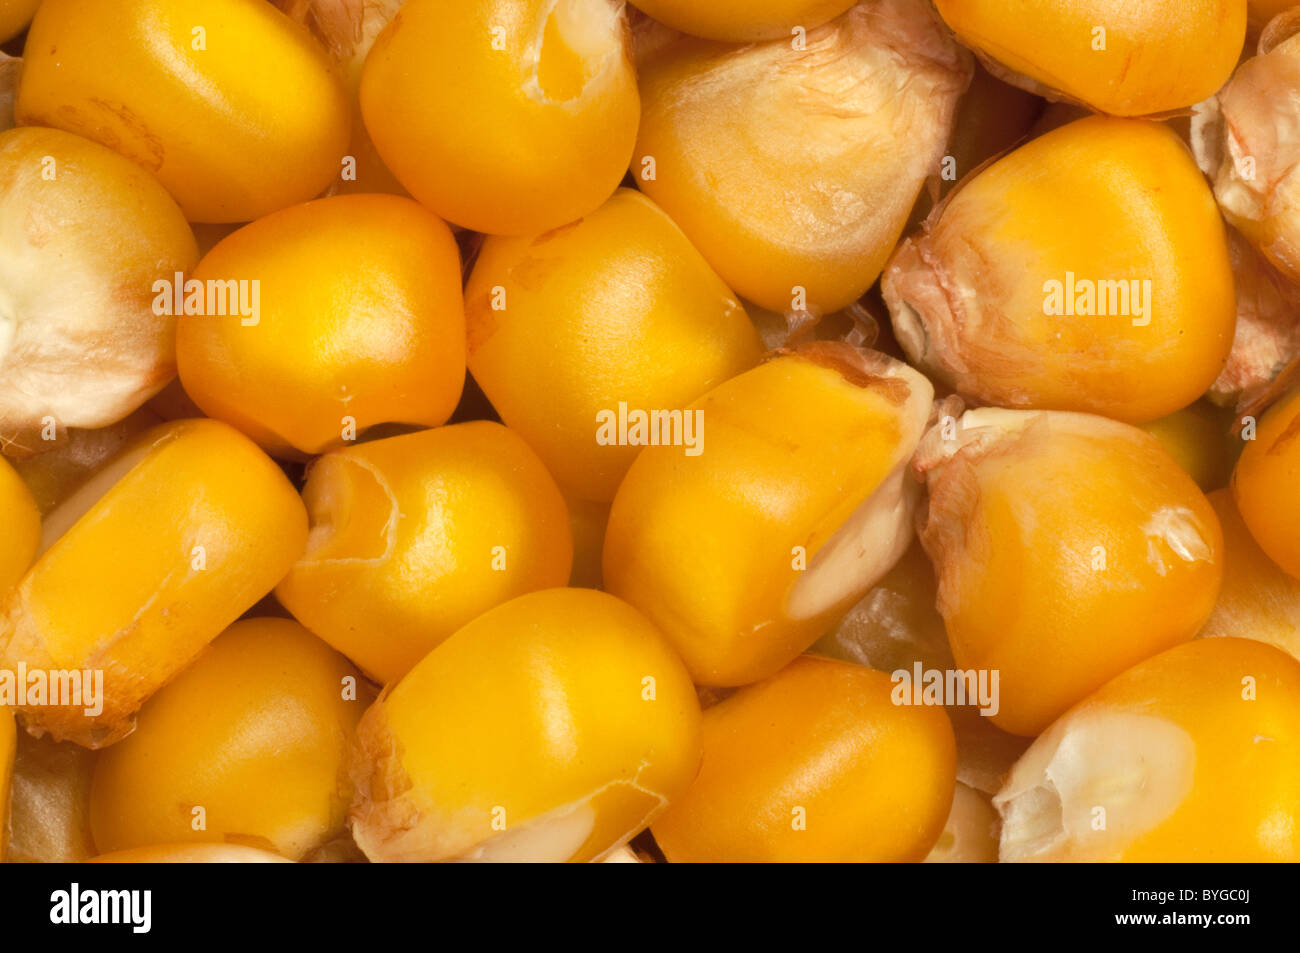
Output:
x=970 y=835
x=815 y=764
x=617 y=310
x=49 y=818
x=1132 y=59
x=14 y=17
x=233 y=751
x=190 y=854
x=22 y=527
x=1068 y=549
x=505 y=116
x=553 y=727
x=1197 y=437
x=414 y=536
x=8 y=743
x=1190 y=756
x=360 y=322
x=1265 y=480
x=78 y=255
x=799 y=501
x=1261 y=11
x=146 y=564
x=1039 y=284
x=744 y=21
x=758 y=152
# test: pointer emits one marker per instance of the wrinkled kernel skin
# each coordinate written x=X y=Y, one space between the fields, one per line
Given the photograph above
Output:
x=49 y=812
x=1015 y=535
x=22 y=527
x=743 y=21
x=361 y=321
x=127 y=75
x=798 y=168
x=1265 y=482
x=874 y=780
x=14 y=17
x=1243 y=804
x=557 y=698
x=1159 y=55
x=1105 y=199
x=120 y=591
x=506 y=141
x=618 y=307
x=705 y=545
x=256 y=732
x=414 y=536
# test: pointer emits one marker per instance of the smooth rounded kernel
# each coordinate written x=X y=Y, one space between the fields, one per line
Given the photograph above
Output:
x=22 y=527
x=551 y=728
x=14 y=17
x=572 y=331
x=1087 y=271
x=139 y=76
x=1197 y=437
x=1132 y=59
x=8 y=744
x=356 y=320
x=504 y=116
x=1191 y=756
x=248 y=745
x=970 y=835
x=799 y=501
x=49 y=816
x=414 y=536
x=1068 y=548
x=744 y=21
x=794 y=169
x=1265 y=480
x=85 y=235
x=144 y=565
x=190 y=854
x=815 y=764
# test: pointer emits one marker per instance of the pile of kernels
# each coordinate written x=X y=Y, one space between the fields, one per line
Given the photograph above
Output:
x=577 y=430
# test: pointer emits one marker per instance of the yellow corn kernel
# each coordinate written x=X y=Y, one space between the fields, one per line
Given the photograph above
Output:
x=1265 y=480
x=1257 y=599
x=140 y=77
x=248 y=745
x=793 y=170
x=190 y=854
x=8 y=743
x=414 y=536
x=970 y=835
x=1087 y=270
x=553 y=727
x=815 y=764
x=49 y=819
x=744 y=21
x=1131 y=59
x=87 y=234
x=505 y=116
x=1191 y=756
x=745 y=553
x=144 y=565
x=14 y=17
x=1197 y=437
x=360 y=322
x=615 y=311
x=1261 y=11
x=1068 y=548
x=22 y=527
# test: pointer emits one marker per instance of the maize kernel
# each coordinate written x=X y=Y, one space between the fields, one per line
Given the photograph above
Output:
x=1265 y=480
x=970 y=835
x=190 y=854
x=361 y=322
x=22 y=527
x=414 y=536
x=505 y=116
x=553 y=727
x=1197 y=437
x=236 y=751
x=139 y=76
x=144 y=565
x=1261 y=11
x=744 y=554
x=744 y=21
x=8 y=744
x=617 y=309
x=815 y=764
x=1131 y=59
x=1068 y=548
x=985 y=297
x=1144 y=769
x=85 y=234
x=49 y=817
x=761 y=153
x=14 y=17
